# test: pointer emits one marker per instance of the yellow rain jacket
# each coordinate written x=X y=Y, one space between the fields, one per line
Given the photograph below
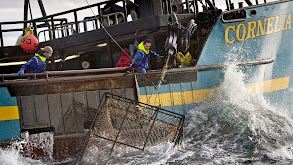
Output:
x=185 y=59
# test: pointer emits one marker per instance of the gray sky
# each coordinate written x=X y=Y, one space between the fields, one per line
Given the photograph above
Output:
x=12 y=10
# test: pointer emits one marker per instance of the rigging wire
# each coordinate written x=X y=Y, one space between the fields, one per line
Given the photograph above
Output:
x=157 y=87
x=160 y=82
x=117 y=42
x=107 y=30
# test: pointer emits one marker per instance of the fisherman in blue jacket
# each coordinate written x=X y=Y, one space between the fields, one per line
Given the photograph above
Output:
x=37 y=64
x=142 y=56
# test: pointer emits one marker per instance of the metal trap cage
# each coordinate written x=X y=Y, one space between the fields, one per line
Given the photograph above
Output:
x=120 y=122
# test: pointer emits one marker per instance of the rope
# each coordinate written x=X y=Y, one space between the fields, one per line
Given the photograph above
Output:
x=117 y=43
x=108 y=32
x=160 y=82
x=164 y=68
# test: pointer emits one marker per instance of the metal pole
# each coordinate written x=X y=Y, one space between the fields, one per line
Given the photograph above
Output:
x=76 y=23
x=248 y=2
x=195 y=6
x=125 y=10
x=53 y=27
x=31 y=13
x=188 y=6
x=1 y=37
x=169 y=6
x=210 y=4
x=227 y=4
x=42 y=8
x=62 y=28
x=99 y=14
x=84 y=26
x=25 y=13
x=35 y=28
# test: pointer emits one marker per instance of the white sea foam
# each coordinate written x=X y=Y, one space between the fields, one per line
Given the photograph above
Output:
x=231 y=127
x=14 y=154
x=234 y=124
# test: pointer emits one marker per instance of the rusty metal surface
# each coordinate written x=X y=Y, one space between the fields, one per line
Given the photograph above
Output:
x=63 y=85
x=67 y=113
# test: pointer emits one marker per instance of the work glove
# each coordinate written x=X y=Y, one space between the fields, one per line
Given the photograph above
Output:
x=21 y=72
x=157 y=56
x=143 y=71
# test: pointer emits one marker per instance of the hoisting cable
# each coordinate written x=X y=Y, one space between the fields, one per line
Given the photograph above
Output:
x=107 y=30
x=161 y=78
x=160 y=82
x=173 y=28
x=115 y=40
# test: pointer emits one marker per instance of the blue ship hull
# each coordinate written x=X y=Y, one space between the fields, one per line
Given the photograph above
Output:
x=262 y=33
x=265 y=35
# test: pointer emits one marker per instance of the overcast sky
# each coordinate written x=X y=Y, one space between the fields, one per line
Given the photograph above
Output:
x=12 y=10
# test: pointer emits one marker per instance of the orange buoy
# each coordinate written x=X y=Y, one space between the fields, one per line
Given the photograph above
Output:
x=30 y=44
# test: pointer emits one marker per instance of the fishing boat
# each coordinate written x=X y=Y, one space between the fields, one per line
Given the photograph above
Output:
x=253 y=37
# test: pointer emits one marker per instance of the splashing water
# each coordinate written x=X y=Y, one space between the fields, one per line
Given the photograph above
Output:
x=234 y=126
x=11 y=156
x=21 y=152
x=230 y=127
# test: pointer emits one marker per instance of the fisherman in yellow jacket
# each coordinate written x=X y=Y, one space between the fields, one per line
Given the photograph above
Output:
x=185 y=59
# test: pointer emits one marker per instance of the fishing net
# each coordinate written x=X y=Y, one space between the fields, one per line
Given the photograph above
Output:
x=122 y=122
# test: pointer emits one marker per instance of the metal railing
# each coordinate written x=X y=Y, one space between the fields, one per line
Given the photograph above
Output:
x=50 y=20
x=67 y=29
x=60 y=31
x=166 y=7
x=14 y=78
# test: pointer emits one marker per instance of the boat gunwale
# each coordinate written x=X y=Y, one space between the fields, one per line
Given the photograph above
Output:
x=124 y=72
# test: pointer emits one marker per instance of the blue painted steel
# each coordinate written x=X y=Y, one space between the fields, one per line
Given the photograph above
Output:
x=9 y=129
x=273 y=44
x=6 y=99
x=277 y=45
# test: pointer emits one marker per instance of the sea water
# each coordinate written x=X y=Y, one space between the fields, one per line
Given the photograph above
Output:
x=230 y=127
x=20 y=152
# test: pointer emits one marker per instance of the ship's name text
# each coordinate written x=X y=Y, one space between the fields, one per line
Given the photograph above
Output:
x=257 y=28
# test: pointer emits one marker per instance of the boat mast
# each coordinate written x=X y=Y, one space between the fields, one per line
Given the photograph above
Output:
x=27 y=6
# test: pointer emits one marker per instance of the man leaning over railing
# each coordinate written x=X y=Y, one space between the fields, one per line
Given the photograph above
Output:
x=37 y=64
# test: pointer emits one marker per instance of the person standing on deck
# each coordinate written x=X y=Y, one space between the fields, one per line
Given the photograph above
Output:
x=125 y=59
x=141 y=59
x=37 y=64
